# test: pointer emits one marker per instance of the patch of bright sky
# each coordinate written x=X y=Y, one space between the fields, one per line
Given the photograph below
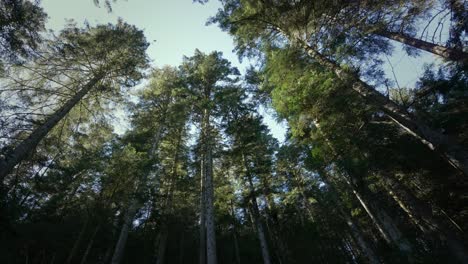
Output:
x=177 y=27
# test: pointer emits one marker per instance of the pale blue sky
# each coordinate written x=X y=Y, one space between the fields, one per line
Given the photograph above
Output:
x=178 y=28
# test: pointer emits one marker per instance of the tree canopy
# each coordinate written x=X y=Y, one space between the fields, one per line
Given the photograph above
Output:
x=106 y=157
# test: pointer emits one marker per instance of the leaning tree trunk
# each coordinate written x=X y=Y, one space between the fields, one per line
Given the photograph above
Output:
x=357 y=234
x=383 y=222
x=256 y=218
x=422 y=217
x=90 y=245
x=77 y=243
x=355 y=230
x=441 y=144
x=20 y=152
x=386 y=226
x=133 y=204
x=444 y=52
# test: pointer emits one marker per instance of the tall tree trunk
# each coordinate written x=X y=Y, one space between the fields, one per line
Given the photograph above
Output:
x=444 y=52
x=90 y=245
x=167 y=207
x=272 y=224
x=20 y=152
x=357 y=234
x=76 y=245
x=386 y=226
x=355 y=230
x=256 y=218
x=182 y=247
x=128 y=219
x=209 y=190
x=202 y=249
x=162 y=245
x=421 y=215
x=234 y=234
x=441 y=144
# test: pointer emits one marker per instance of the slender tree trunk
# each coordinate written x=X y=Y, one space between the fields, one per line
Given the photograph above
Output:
x=128 y=219
x=234 y=234
x=76 y=245
x=421 y=215
x=384 y=223
x=202 y=249
x=355 y=231
x=448 y=150
x=167 y=208
x=9 y=160
x=162 y=245
x=256 y=219
x=386 y=226
x=182 y=247
x=357 y=234
x=90 y=245
x=444 y=52
x=209 y=190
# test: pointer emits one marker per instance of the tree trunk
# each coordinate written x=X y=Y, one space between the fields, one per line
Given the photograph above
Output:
x=256 y=219
x=355 y=231
x=209 y=190
x=360 y=239
x=444 y=52
x=384 y=224
x=182 y=247
x=202 y=250
x=76 y=245
x=421 y=215
x=162 y=245
x=234 y=234
x=450 y=151
x=90 y=245
x=167 y=207
x=128 y=219
x=20 y=152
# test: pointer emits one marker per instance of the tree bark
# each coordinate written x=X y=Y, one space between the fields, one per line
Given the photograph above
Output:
x=9 y=160
x=128 y=219
x=455 y=155
x=360 y=239
x=162 y=245
x=90 y=245
x=209 y=190
x=422 y=217
x=76 y=245
x=202 y=249
x=386 y=226
x=167 y=207
x=256 y=218
x=444 y=52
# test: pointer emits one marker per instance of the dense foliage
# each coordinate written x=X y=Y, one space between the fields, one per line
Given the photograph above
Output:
x=369 y=172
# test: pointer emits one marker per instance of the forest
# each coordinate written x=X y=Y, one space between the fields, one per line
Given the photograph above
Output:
x=371 y=170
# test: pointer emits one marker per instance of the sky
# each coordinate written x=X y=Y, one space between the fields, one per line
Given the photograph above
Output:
x=175 y=28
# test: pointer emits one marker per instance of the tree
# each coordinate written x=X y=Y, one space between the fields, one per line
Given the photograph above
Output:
x=206 y=75
x=96 y=65
x=257 y=24
x=20 y=25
